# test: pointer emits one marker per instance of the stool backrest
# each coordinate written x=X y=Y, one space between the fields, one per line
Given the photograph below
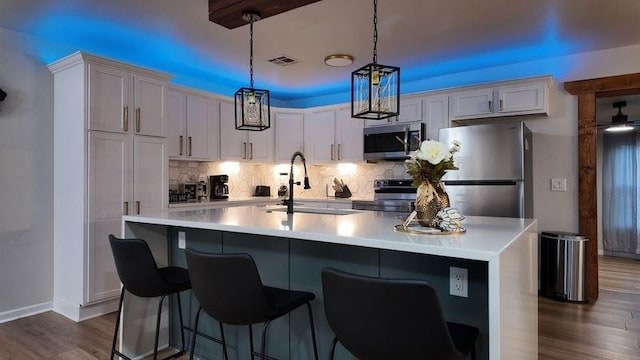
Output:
x=378 y=318
x=228 y=287
x=136 y=267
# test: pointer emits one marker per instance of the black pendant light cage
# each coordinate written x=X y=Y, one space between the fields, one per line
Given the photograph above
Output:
x=252 y=106
x=375 y=88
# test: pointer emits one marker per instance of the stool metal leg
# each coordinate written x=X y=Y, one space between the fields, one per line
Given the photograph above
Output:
x=182 y=351
x=251 y=340
x=195 y=333
x=115 y=334
x=333 y=348
x=155 y=346
x=224 y=342
x=313 y=331
x=264 y=340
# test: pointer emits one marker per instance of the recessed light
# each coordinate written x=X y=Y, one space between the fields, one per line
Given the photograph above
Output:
x=338 y=60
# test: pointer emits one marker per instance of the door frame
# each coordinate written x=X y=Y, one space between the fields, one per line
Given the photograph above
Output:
x=587 y=92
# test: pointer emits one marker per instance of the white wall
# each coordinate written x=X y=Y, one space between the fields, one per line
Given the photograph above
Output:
x=26 y=180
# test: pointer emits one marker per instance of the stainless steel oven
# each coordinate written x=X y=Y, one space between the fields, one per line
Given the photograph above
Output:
x=392 y=142
x=390 y=195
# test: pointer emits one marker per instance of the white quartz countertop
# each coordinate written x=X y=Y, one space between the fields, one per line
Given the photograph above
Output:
x=248 y=200
x=485 y=239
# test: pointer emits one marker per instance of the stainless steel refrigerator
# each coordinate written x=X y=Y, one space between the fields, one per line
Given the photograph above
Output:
x=494 y=176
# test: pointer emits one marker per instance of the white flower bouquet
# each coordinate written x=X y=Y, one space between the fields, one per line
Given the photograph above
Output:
x=431 y=161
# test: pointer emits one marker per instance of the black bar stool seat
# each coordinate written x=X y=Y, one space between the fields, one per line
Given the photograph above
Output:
x=381 y=319
x=141 y=277
x=228 y=288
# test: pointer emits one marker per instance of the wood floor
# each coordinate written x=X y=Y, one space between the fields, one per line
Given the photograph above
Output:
x=609 y=330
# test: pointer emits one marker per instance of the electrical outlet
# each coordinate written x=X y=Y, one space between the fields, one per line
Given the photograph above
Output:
x=458 y=282
x=182 y=240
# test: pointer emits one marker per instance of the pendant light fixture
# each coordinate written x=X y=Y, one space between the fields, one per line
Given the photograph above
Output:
x=375 y=88
x=252 y=105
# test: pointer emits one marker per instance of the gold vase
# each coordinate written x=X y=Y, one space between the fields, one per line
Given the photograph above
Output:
x=430 y=198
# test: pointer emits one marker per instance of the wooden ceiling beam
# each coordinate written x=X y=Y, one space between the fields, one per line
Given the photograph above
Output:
x=228 y=13
x=606 y=84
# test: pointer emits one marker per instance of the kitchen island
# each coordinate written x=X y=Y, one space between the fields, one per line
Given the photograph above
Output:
x=290 y=250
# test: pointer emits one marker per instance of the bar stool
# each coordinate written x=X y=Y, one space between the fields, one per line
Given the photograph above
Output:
x=141 y=276
x=228 y=288
x=381 y=319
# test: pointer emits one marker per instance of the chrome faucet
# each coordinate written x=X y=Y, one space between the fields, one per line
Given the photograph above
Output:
x=291 y=182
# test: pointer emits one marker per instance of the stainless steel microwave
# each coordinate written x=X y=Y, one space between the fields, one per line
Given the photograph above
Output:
x=392 y=142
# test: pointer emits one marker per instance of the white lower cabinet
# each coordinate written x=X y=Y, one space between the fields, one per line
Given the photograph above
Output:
x=242 y=145
x=98 y=177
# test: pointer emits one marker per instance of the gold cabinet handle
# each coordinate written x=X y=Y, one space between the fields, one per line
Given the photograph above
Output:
x=490 y=106
x=190 y=143
x=331 y=151
x=339 y=145
x=501 y=107
x=244 y=150
x=138 y=207
x=250 y=151
x=181 y=141
x=137 y=119
x=126 y=208
x=125 y=116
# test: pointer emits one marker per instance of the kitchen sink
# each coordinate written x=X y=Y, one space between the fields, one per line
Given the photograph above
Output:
x=312 y=210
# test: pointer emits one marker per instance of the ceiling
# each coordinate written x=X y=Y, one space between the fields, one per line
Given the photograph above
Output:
x=425 y=38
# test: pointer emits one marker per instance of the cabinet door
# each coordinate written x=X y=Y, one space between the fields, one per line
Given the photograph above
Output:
x=109 y=189
x=410 y=110
x=521 y=98
x=471 y=103
x=149 y=106
x=319 y=136
x=213 y=129
x=150 y=174
x=197 y=147
x=349 y=143
x=260 y=145
x=233 y=143
x=289 y=135
x=436 y=115
x=109 y=99
x=176 y=124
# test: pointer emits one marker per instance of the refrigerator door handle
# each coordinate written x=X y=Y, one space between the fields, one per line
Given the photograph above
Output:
x=406 y=140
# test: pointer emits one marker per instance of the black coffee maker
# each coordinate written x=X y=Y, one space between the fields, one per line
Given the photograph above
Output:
x=218 y=188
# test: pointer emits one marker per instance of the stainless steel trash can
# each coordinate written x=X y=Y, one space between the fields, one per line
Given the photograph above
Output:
x=562 y=266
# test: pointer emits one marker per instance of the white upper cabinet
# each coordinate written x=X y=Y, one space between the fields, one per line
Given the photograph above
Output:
x=109 y=98
x=521 y=98
x=332 y=135
x=213 y=129
x=242 y=145
x=289 y=128
x=410 y=110
x=435 y=114
x=148 y=99
x=188 y=124
x=121 y=100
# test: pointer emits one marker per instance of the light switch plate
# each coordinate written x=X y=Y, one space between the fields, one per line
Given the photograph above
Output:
x=558 y=184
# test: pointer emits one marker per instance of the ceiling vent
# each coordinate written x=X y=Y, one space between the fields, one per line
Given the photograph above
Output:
x=283 y=60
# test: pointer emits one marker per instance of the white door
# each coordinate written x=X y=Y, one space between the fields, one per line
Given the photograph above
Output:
x=197 y=146
x=349 y=137
x=109 y=107
x=436 y=115
x=319 y=133
x=109 y=189
x=472 y=103
x=150 y=174
x=149 y=106
x=233 y=143
x=176 y=124
x=289 y=135
x=518 y=98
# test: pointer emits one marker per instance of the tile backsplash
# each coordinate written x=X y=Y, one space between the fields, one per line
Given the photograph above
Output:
x=243 y=177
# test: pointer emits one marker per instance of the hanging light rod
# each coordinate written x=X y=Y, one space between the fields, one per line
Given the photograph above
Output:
x=375 y=88
x=252 y=106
